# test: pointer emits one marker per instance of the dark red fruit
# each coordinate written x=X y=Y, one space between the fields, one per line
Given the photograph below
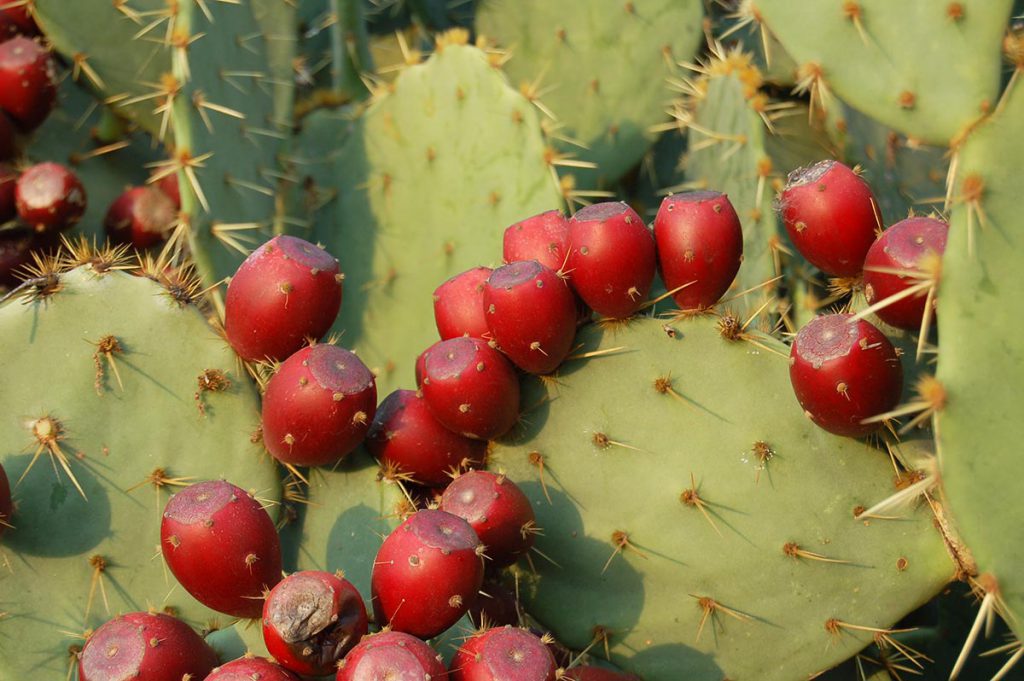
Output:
x=311 y=620
x=287 y=290
x=28 y=82
x=503 y=653
x=8 y=143
x=700 y=243
x=16 y=20
x=498 y=512
x=844 y=372
x=427 y=574
x=8 y=182
x=16 y=248
x=142 y=645
x=531 y=314
x=496 y=607
x=141 y=217
x=406 y=437
x=831 y=217
x=318 y=406
x=392 y=655
x=221 y=546
x=914 y=248
x=6 y=505
x=251 y=669
x=421 y=361
x=168 y=184
x=588 y=673
x=544 y=238
x=49 y=197
x=470 y=388
x=612 y=260
x=459 y=307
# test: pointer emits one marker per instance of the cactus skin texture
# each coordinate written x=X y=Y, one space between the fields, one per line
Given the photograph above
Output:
x=730 y=546
x=75 y=562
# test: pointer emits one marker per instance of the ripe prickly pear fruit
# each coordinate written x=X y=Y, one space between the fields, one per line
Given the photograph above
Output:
x=470 y=388
x=531 y=314
x=700 y=245
x=8 y=182
x=844 y=372
x=16 y=19
x=831 y=217
x=16 y=248
x=406 y=436
x=49 y=197
x=498 y=512
x=907 y=256
x=391 y=655
x=143 y=645
x=286 y=291
x=8 y=141
x=251 y=668
x=168 y=184
x=459 y=306
x=311 y=620
x=318 y=407
x=427 y=574
x=497 y=606
x=221 y=546
x=612 y=259
x=140 y=216
x=543 y=237
x=28 y=82
x=503 y=653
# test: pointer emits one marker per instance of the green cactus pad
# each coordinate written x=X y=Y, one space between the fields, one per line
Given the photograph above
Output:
x=599 y=67
x=115 y=429
x=622 y=452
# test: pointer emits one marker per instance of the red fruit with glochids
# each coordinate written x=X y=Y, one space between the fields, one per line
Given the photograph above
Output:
x=16 y=19
x=49 y=197
x=28 y=82
x=311 y=620
x=427 y=574
x=543 y=237
x=392 y=655
x=503 y=653
x=222 y=547
x=287 y=290
x=497 y=510
x=140 y=217
x=844 y=371
x=700 y=247
x=459 y=307
x=318 y=406
x=251 y=668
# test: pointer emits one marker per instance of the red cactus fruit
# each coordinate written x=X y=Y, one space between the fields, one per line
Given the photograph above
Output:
x=168 y=184
x=140 y=216
x=49 y=197
x=311 y=620
x=287 y=290
x=318 y=406
x=497 y=606
x=406 y=437
x=503 y=653
x=221 y=546
x=8 y=182
x=28 y=82
x=142 y=645
x=498 y=512
x=531 y=313
x=392 y=655
x=907 y=256
x=427 y=574
x=17 y=20
x=831 y=217
x=843 y=372
x=700 y=244
x=8 y=141
x=16 y=248
x=589 y=673
x=612 y=258
x=470 y=388
x=543 y=237
x=6 y=504
x=250 y=668
x=459 y=307
x=421 y=361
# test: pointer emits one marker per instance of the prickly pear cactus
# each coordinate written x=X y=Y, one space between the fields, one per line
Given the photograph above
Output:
x=118 y=393
x=697 y=522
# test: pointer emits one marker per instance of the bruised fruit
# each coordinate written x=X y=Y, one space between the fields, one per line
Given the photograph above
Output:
x=459 y=307
x=391 y=655
x=501 y=654
x=143 y=645
x=141 y=216
x=287 y=290
x=311 y=620
x=407 y=438
x=902 y=267
x=531 y=314
x=498 y=512
x=49 y=197
x=251 y=669
x=426 y=574
x=612 y=258
x=700 y=246
x=221 y=546
x=318 y=407
x=28 y=82
x=6 y=505
x=470 y=388
x=831 y=217
x=843 y=372
x=543 y=237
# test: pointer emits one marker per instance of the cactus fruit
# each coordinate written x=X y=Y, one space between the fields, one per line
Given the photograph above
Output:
x=249 y=668
x=459 y=305
x=391 y=654
x=503 y=653
x=543 y=237
x=498 y=512
x=49 y=197
x=28 y=82
x=141 y=216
